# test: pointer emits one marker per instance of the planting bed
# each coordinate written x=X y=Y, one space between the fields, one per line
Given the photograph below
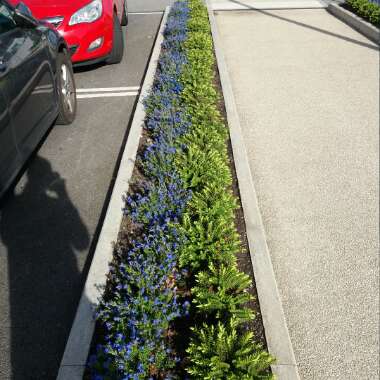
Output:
x=179 y=299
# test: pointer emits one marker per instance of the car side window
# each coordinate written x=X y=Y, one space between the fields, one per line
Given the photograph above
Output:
x=7 y=22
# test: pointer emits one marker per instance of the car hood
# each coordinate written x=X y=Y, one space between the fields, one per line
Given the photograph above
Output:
x=49 y=8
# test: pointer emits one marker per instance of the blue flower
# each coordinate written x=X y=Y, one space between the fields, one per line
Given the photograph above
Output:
x=138 y=312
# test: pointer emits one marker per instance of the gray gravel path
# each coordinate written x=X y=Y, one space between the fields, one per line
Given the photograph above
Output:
x=307 y=91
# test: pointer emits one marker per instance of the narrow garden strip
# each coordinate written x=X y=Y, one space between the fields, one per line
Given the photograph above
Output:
x=175 y=303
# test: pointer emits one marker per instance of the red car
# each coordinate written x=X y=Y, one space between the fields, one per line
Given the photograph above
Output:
x=92 y=29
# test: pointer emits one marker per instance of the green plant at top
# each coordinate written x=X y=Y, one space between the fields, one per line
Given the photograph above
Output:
x=221 y=291
x=368 y=10
x=222 y=352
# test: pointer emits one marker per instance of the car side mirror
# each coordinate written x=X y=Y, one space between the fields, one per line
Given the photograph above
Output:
x=24 y=17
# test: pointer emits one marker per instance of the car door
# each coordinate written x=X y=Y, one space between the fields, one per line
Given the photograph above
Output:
x=9 y=157
x=31 y=92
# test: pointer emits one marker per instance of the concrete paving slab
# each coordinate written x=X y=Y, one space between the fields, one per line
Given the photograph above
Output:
x=228 y=5
x=307 y=92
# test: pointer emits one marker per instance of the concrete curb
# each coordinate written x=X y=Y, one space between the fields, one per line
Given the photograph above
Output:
x=74 y=359
x=276 y=330
x=355 y=22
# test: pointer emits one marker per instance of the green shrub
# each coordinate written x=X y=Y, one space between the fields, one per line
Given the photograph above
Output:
x=209 y=230
x=367 y=10
x=202 y=166
x=222 y=352
x=222 y=292
x=219 y=349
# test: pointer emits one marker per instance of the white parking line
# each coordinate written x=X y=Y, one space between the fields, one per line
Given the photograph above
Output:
x=108 y=89
x=107 y=92
x=107 y=95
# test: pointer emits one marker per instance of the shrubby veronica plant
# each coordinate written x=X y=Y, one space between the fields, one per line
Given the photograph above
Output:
x=180 y=261
x=219 y=347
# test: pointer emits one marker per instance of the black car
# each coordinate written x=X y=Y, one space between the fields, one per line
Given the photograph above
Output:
x=37 y=86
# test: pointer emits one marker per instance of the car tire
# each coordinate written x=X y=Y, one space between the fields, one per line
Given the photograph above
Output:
x=67 y=99
x=124 y=17
x=117 y=44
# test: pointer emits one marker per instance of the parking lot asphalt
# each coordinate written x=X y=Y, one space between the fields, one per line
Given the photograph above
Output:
x=50 y=221
x=148 y=5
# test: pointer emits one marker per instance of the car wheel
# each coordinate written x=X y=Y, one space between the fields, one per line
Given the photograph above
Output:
x=124 y=18
x=118 y=44
x=66 y=90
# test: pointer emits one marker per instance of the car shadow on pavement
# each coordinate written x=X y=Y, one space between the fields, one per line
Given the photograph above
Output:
x=42 y=232
x=86 y=68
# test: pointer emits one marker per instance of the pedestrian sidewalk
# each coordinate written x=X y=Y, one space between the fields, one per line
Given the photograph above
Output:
x=306 y=87
x=219 y=5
